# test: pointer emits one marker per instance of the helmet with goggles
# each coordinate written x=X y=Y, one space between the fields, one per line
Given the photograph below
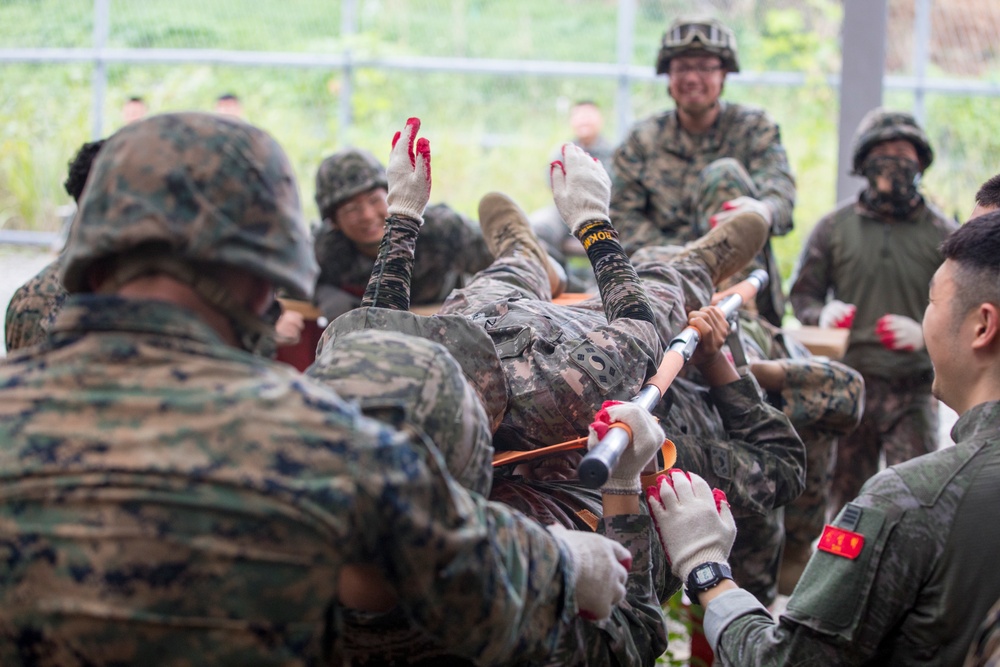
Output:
x=693 y=37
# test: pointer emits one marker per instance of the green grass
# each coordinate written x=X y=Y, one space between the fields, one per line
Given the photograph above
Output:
x=487 y=132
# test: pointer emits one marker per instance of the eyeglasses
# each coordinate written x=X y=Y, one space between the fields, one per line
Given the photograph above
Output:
x=700 y=70
x=357 y=209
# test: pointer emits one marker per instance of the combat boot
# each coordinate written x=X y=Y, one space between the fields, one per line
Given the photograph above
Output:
x=728 y=248
x=507 y=230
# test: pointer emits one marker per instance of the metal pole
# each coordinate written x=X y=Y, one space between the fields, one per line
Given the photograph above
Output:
x=921 y=54
x=863 y=54
x=348 y=28
x=99 y=79
x=626 y=45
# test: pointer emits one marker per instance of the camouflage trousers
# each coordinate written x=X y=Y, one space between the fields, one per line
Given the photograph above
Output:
x=724 y=180
x=550 y=352
x=900 y=421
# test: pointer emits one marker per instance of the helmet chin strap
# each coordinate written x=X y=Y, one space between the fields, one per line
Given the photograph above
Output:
x=254 y=333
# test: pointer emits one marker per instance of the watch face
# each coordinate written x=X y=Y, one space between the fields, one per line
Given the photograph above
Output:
x=703 y=575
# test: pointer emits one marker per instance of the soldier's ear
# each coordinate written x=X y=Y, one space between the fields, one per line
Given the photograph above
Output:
x=987 y=327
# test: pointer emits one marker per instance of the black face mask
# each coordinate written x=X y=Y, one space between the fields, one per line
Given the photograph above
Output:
x=903 y=176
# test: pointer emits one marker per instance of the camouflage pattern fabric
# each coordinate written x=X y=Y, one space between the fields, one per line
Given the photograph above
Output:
x=343 y=175
x=413 y=384
x=922 y=582
x=220 y=192
x=33 y=308
x=900 y=422
x=667 y=183
x=560 y=361
x=881 y=266
x=240 y=488
x=985 y=649
x=450 y=248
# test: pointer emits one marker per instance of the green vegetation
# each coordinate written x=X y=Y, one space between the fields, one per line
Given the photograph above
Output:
x=487 y=131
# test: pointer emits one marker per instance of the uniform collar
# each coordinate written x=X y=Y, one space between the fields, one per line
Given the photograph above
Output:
x=980 y=420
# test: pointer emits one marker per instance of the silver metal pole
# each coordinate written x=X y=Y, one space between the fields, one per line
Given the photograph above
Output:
x=626 y=46
x=921 y=55
x=863 y=54
x=99 y=78
x=348 y=28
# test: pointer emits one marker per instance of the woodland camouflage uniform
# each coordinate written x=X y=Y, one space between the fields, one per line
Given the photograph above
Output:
x=33 y=308
x=170 y=498
x=449 y=249
x=668 y=183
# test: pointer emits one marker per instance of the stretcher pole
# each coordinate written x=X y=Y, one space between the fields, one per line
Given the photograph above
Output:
x=597 y=465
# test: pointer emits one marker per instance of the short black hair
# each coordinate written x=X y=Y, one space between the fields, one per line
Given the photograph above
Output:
x=227 y=96
x=975 y=249
x=136 y=98
x=989 y=193
x=79 y=168
x=586 y=103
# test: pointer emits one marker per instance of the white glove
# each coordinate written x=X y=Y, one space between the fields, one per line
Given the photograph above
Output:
x=647 y=438
x=900 y=333
x=837 y=315
x=599 y=572
x=741 y=206
x=581 y=188
x=409 y=174
x=693 y=521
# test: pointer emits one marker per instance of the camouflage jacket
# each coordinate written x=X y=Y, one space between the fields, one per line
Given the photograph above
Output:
x=450 y=248
x=730 y=436
x=657 y=167
x=881 y=266
x=985 y=650
x=33 y=308
x=240 y=488
x=903 y=577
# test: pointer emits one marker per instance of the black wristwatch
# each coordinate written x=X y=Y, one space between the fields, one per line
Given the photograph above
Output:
x=706 y=576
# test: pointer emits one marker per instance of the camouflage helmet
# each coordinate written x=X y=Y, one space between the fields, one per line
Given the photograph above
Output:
x=199 y=188
x=695 y=36
x=344 y=174
x=412 y=382
x=880 y=125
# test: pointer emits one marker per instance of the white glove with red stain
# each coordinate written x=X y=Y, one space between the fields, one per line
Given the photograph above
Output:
x=837 y=315
x=693 y=520
x=900 y=333
x=647 y=438
x=581 y=188
x=409 y=173
x=599 y=572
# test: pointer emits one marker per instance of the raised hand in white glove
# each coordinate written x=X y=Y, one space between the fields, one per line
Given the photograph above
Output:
x=409 y=173
x=837 y=315
x=693 y=521
x=581 y=188
x=599 y=572
x=900 y=333
x=647 y=438
x=741 y=206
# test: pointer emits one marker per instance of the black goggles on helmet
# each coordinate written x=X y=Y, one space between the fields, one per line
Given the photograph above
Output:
x=709 y=34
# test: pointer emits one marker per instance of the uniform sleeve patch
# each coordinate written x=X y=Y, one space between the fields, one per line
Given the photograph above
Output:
x=840 y=542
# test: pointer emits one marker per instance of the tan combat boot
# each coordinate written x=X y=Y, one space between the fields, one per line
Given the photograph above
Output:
x=506 y=230
x=728 y=248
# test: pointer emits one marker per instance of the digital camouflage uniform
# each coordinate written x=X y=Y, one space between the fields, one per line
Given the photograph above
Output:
x=415 y=385
x=449 y=249
x=985 y=649
x=823 y=400
x=33 y=307
x=881 y=266
x=556 y=364
x=171 y=499
x=668 y=183
x=922 y=581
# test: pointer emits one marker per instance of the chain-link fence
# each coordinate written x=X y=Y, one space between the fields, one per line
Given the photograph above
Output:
x=492 y=79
